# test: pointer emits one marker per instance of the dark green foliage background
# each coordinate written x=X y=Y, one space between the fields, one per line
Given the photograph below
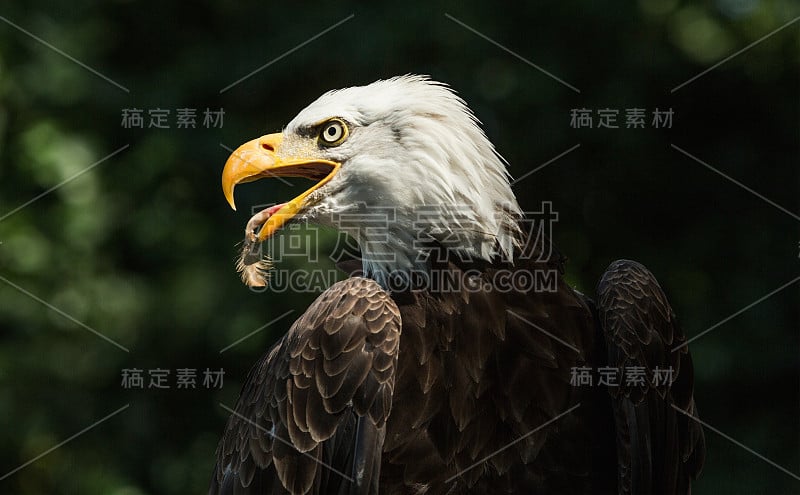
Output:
x=141 y=247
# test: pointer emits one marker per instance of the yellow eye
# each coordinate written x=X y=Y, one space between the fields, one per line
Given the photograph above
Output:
x=333 y=132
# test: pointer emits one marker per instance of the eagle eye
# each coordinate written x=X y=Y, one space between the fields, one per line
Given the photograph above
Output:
x=333 y=132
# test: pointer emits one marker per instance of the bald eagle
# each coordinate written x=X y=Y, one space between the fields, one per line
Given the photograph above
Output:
x=392 y=384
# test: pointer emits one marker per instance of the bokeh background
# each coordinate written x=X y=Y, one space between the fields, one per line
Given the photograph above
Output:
x=140 y=247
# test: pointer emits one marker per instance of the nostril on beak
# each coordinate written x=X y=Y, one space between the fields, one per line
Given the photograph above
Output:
x=267 y=147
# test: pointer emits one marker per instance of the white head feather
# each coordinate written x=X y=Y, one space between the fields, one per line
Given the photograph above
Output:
x=413 y=145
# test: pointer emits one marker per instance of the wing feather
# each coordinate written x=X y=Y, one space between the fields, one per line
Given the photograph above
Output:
x=313 y=410
x=659 y=450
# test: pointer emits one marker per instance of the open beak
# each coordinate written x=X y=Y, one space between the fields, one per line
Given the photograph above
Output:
x=257 y=159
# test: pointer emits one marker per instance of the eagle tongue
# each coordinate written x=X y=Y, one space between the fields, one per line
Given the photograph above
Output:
x=259 y=219
x=250 y=252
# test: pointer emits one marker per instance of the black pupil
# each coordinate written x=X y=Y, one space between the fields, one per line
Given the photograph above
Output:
x=331 y=131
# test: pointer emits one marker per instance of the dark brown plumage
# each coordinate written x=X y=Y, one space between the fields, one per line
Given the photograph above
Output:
x=324 y=389
x=447 y=392
x=659 y=449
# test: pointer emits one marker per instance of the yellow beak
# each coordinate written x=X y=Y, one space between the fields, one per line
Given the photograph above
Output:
x=257 y=159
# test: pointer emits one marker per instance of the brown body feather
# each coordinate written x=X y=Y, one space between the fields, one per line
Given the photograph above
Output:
x=423 y=392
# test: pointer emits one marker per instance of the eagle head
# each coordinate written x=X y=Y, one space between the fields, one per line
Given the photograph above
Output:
x=407 y=150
